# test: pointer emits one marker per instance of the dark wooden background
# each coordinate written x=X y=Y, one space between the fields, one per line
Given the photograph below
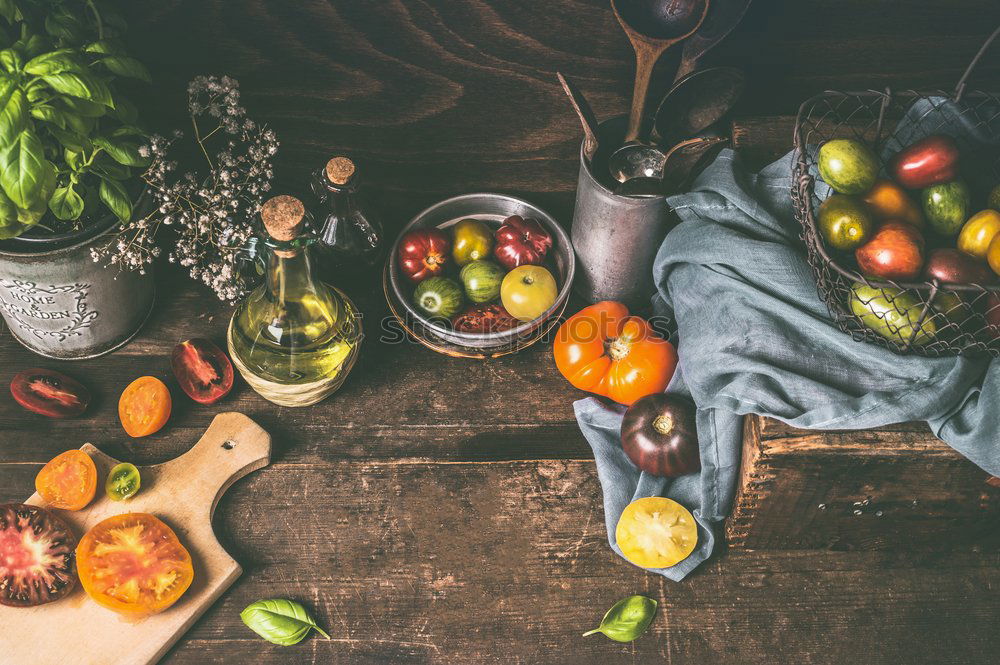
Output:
x=447 y=511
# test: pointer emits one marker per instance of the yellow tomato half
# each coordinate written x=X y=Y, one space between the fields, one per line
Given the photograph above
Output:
x=655 y=532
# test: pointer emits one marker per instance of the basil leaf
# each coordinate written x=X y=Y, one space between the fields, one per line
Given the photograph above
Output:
x=121 y=151
x=48 y=114
x=11 y=60
x=126 y=66
x=71 y=139
x=54 y=62
x=281 y=622
x=627 y=619
x=116 y=198
x=79 y=84
x=9 y=226
x=35 y=45
x=7 y=10
x=23 y=169
x=104 y=47
x=66 y=203
x=82 y=107
x=13 y=115
x=65 y=26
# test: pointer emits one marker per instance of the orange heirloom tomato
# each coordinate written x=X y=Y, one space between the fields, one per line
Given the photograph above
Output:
x=890 y=201
x=133 y=564
x=144 y=406
x=603 y=350
x=68 y=481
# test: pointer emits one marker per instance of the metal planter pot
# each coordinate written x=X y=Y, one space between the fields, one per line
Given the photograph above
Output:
x=58 y=302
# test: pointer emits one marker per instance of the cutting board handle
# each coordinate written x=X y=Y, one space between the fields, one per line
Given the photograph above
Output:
x=231 y=447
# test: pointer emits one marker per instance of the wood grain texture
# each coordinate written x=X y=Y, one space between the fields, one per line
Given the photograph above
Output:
x=898 y=487
x=183 y=493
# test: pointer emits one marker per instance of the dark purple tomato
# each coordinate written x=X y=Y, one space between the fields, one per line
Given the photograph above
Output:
x=37 y=555
x=952 y=266
x=49 y=393
x=202 y=370
x=660 y=437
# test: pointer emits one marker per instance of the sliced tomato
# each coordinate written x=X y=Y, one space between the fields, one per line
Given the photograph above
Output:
x=36 y=556
x=123 y=482
x=133 y=564
x=144 y=406
x=68 y=481
x=655 y=532
x=49 y=393
x=202 y=370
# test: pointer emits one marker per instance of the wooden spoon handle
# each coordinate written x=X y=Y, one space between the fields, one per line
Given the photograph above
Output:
x=645 y=60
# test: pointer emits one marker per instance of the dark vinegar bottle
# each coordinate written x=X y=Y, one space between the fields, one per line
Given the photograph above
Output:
x=350 y=239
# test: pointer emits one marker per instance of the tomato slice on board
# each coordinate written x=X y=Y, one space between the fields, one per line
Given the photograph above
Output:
x=36 y=556
x=49 y=393
x=68 y=481
x=133 y=564
x=202 y=370
x=123 y=482
x=144 y=406
x=656 y=532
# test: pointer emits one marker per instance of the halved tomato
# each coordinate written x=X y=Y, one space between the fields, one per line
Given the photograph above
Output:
x=49 y=393
x=655 y=532
x=68 y=481
x=202 y=370
x=36 y=556
x=133 y=564
x=144 y=406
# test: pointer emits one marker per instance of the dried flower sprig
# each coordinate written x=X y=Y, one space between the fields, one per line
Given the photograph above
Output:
x=212 y=213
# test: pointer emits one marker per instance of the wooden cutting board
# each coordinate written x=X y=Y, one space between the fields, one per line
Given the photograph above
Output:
x=183 y=493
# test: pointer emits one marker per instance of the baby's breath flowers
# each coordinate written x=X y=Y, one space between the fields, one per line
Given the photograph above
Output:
x=211 y=211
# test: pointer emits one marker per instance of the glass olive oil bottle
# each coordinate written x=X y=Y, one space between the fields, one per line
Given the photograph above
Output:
x=294 y=339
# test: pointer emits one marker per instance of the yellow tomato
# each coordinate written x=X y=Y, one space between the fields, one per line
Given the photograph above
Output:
x=655 y=532
x=977 y=234
x=473 y=242
x=993 y=254
x=527 y=291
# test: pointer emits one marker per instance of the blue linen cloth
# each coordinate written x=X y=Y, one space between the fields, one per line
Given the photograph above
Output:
x=755 y=338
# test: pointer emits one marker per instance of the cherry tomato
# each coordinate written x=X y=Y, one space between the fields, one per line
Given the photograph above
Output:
x=133 y=564
x=36 y=556
x=202 y=370
x=521 y=241
x=68 y=481
x=49 y=393
x=527 y=292
x=144 y=406
x=123 y=482
x=423 y=253
x=656 y=532
x=603 y=350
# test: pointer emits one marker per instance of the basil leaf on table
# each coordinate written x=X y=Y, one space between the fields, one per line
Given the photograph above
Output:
x=279 y=621
x=627 y=619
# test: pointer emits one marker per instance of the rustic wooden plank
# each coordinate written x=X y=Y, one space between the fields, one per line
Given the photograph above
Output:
x=508 y=563
x=898 y=487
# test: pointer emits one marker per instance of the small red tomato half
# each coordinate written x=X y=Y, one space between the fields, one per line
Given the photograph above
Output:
x=202 y=370
x=521 y=241
x=927 y=162
x=491 y=318
x=423 y=253
x=49 y=393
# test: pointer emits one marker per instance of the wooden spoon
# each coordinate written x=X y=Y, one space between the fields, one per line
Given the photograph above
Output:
x=653 y=26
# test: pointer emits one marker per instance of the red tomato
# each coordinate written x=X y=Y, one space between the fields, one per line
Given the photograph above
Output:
x=133 y=564
x=603 y=350
x=202 y=370
x=927 y=162
x=521 y=241
x=68 y=481
x=36 y=556
x=49 y=393
x=896 y=251
x=144 y=406
x=423 y=253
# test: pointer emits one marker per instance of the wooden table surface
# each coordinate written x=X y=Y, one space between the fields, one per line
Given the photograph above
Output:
x=439 y=510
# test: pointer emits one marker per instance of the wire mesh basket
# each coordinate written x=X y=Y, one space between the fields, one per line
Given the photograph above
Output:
x=929 y=317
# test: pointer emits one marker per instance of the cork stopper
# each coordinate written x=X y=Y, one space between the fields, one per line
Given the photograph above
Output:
x=283 y=217
x=339 y=170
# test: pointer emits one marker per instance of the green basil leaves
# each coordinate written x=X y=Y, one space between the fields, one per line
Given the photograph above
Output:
x=627 y=619
x=281 y=622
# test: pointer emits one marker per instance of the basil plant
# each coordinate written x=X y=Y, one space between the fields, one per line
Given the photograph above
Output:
x=69 y=142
